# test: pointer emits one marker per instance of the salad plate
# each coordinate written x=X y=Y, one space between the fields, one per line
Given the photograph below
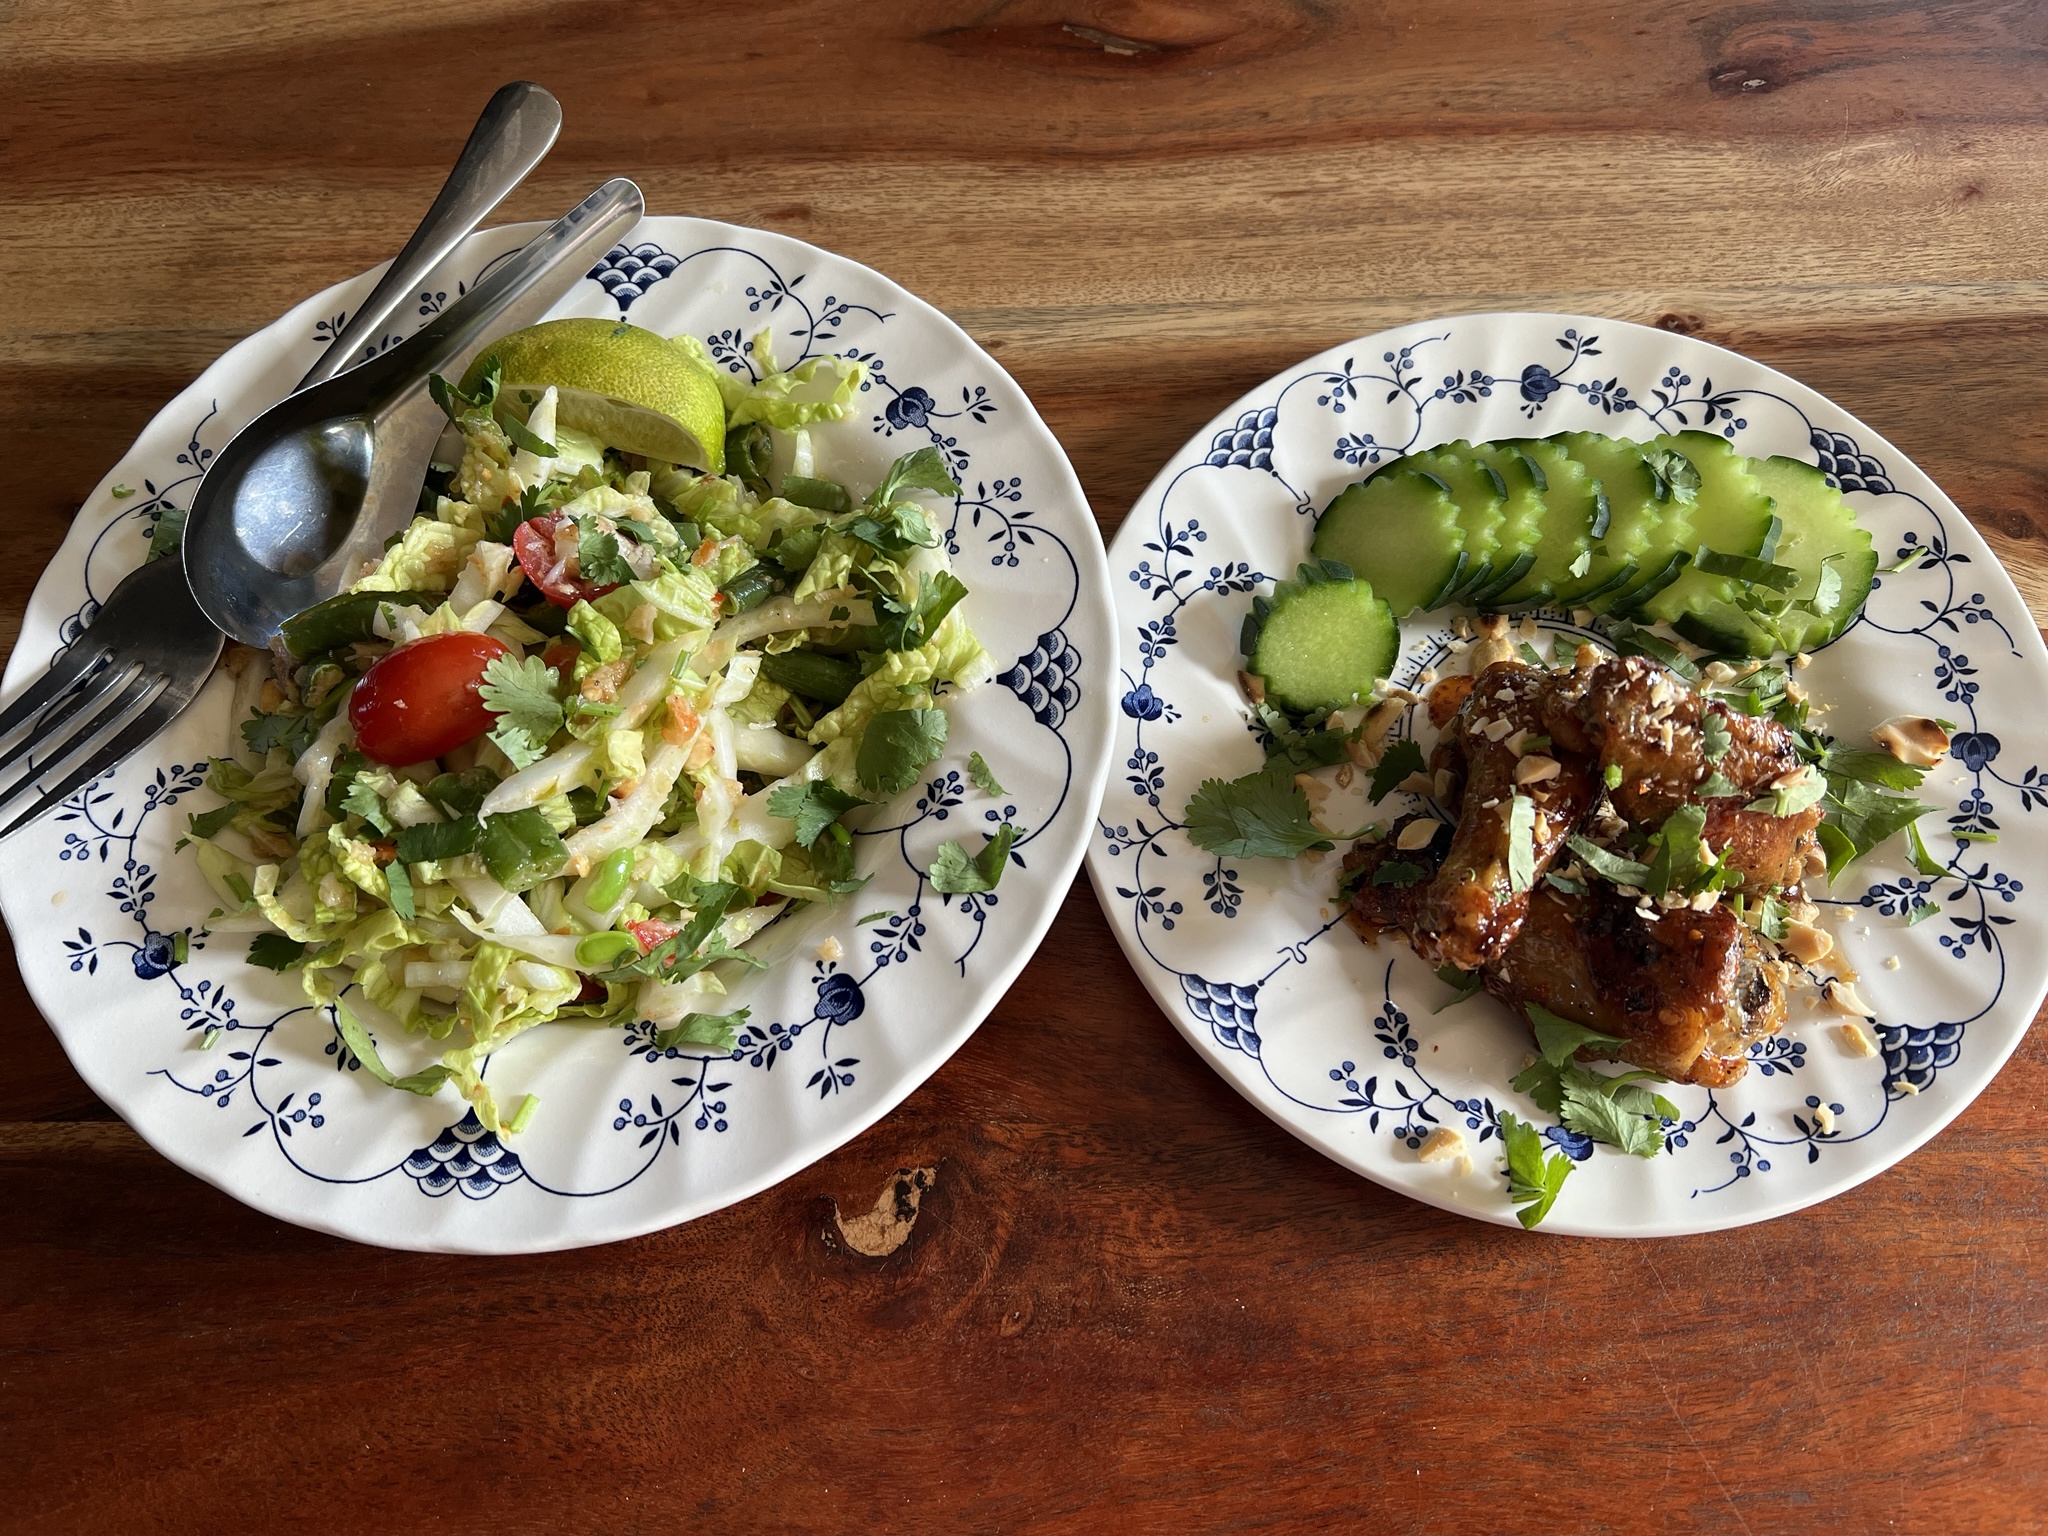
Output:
x=226 y=1067
x=1361 y=1050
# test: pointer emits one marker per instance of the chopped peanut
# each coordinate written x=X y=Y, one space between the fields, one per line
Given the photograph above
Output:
x=1536 y=769
x=1443 y=1145
x=1913 y=739
x=1806 y=943
x=1842 y=997
x=1419 y=833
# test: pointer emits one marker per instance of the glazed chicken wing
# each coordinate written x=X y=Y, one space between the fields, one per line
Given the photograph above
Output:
x=1690 y=991
x=1500 y=748
x=1627 y=712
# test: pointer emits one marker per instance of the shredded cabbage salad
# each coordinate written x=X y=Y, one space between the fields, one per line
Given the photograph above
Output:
x=695 y=677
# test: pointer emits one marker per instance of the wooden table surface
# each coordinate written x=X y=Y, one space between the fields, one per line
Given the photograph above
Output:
x=1129 y=1301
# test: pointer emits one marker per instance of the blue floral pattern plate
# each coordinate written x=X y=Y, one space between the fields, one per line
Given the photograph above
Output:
x=1342 y=1043
x=225 y=1069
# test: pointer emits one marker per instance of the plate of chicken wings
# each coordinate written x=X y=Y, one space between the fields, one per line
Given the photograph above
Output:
x=1572 y=921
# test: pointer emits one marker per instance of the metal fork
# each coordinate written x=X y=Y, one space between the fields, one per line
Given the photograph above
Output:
x=149 y=650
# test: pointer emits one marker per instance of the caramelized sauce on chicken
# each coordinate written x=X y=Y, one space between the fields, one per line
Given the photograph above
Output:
x=1688 y=985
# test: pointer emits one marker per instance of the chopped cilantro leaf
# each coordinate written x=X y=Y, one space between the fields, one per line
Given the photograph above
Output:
x=1521 y=843
x=983 y=776
x=1399 y=872
x=1714 y=736
x=599 y=556
x=275 y=952
x=1879 y=768
x=813 y=806
x=523 y=436
x=1922 y=912
x=954 y=873
x=1263 y=815
x=1609 y=866
x=1770 y=918
x=366 y=803
x=432 y=841
x=1802 y=794
x=895 y=748
x=922 y=470
x=206 y=823
x=523 y=692
x=294 y=733
x=1533 y=1178
x=1591 y=1109
x=1463 y=984
x=398 y=881
x=906 y=627
x=1560 y=1039
x=1401 y=759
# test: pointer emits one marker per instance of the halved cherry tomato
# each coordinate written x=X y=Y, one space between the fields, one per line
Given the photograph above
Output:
x=652 y=932
x=422 y=699
x=534 y=543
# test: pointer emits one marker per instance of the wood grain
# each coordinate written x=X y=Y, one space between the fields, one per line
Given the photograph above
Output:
x=1126 y=1301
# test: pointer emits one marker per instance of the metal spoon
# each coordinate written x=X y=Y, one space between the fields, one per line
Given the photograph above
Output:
x=296 y=503
x=513 y=134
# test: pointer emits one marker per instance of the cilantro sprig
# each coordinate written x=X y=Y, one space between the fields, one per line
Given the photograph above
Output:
x=1263 y=815
x=523 y=695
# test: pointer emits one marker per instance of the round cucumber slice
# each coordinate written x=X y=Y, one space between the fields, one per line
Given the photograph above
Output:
x=1481 y=496
x=1324 y=645
x=1571 y=503
x=1398 y=531
x=1731 y=514
x=1818 y=534
x=1521 y=527
x=1635 y=496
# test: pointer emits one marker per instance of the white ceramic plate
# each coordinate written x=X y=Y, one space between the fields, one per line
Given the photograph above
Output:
x=628 y=1138
x=1336 y=1040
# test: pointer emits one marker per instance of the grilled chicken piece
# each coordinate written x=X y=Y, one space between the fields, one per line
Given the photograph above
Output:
x=1469 y=913
x=1690 y=991
x=1377 y=908
x=1631 y=714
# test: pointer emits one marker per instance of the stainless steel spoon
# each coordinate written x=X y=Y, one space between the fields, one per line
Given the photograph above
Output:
x=301 y=498
x=513 y=134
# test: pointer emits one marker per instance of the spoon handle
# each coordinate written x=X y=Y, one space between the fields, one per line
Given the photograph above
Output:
x=514 y=293
x=514 y=133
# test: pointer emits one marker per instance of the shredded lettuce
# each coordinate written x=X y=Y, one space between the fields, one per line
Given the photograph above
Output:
x=667 y=760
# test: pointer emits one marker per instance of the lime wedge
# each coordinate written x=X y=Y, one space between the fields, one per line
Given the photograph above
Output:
x=622 y=384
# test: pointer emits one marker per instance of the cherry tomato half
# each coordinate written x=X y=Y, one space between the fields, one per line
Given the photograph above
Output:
x=534 y=543
x=422 y=699
x=651 y=932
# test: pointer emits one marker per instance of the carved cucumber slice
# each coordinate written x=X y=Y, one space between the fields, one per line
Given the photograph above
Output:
x=1324 y=644
x=1818 y=533
x=1481 y=495
x=1571 y=509
x=1731 y=514
x=1635 y=496
x=1399 y=531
